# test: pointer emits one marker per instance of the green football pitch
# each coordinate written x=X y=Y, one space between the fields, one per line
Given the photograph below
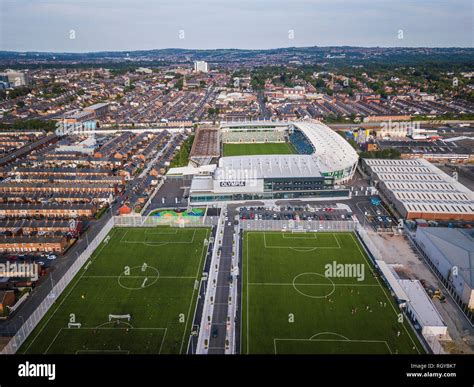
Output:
x=136 y=295
x=316 y=293
x=280 y=148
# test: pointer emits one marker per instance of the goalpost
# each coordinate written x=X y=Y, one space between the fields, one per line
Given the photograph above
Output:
x=295 y=231
x=119 y=317
x=74 y=325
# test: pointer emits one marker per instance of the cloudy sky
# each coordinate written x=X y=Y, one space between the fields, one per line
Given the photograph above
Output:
x=97 y=25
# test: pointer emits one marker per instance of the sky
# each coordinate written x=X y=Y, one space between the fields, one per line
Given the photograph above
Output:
x=122 y=25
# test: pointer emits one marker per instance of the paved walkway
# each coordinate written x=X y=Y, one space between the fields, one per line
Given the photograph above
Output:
x=223 y=289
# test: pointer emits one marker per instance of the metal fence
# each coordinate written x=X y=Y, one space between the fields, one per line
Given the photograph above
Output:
x=301 y=225
x=211 y=289
x=152 y=196
x=30 y=324
x=365 y=238
x=172 y=221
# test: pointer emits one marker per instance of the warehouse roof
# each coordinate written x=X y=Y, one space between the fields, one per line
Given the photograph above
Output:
x=422 y=187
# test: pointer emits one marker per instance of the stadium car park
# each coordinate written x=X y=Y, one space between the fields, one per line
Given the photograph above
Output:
x=308 y=212
x=376 y=215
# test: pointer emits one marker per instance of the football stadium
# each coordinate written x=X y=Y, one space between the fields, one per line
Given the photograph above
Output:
x=264 y=160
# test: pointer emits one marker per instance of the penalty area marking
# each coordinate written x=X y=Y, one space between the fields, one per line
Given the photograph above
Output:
x=100 y=327
x=98 y=351
x=299 y=236
x=343 y=339
x=153 y=244
x=301 y=249
x=154 y=232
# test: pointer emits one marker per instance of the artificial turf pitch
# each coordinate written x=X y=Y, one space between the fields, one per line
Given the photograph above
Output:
x=280 y=148
x=291 y=306
x=159 y=290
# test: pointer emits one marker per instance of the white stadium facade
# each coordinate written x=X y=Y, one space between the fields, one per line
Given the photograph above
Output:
x=323 y=163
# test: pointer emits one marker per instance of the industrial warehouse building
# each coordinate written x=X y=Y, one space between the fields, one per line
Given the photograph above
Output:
x=451 y=253
x=324 y=162
x=419 y=190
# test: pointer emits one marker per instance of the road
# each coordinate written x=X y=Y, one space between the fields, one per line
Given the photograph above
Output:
x=264 y=112
x=221 y=302
x=371 y=125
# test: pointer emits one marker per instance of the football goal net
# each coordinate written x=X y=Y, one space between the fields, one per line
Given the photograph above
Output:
x=118 y=317
x=74 y=325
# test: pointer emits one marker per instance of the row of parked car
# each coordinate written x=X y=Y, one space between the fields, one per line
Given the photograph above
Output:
x=40 y=259
x=292 y=213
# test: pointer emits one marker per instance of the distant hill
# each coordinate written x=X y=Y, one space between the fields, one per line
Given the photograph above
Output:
x=296 y=55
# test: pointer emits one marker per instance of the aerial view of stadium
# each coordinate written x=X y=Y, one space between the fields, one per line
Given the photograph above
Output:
x=204 y=191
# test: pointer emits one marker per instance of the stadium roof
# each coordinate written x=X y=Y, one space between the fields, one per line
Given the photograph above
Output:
x=206 y=143
x=270 y=166
x=457 y=247
x=333 y=150
x=191 y=170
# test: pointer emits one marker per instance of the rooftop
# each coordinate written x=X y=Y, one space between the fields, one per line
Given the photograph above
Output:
x=270 y=166
x=422 y=187
x=456 y=245
x=420 y=302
